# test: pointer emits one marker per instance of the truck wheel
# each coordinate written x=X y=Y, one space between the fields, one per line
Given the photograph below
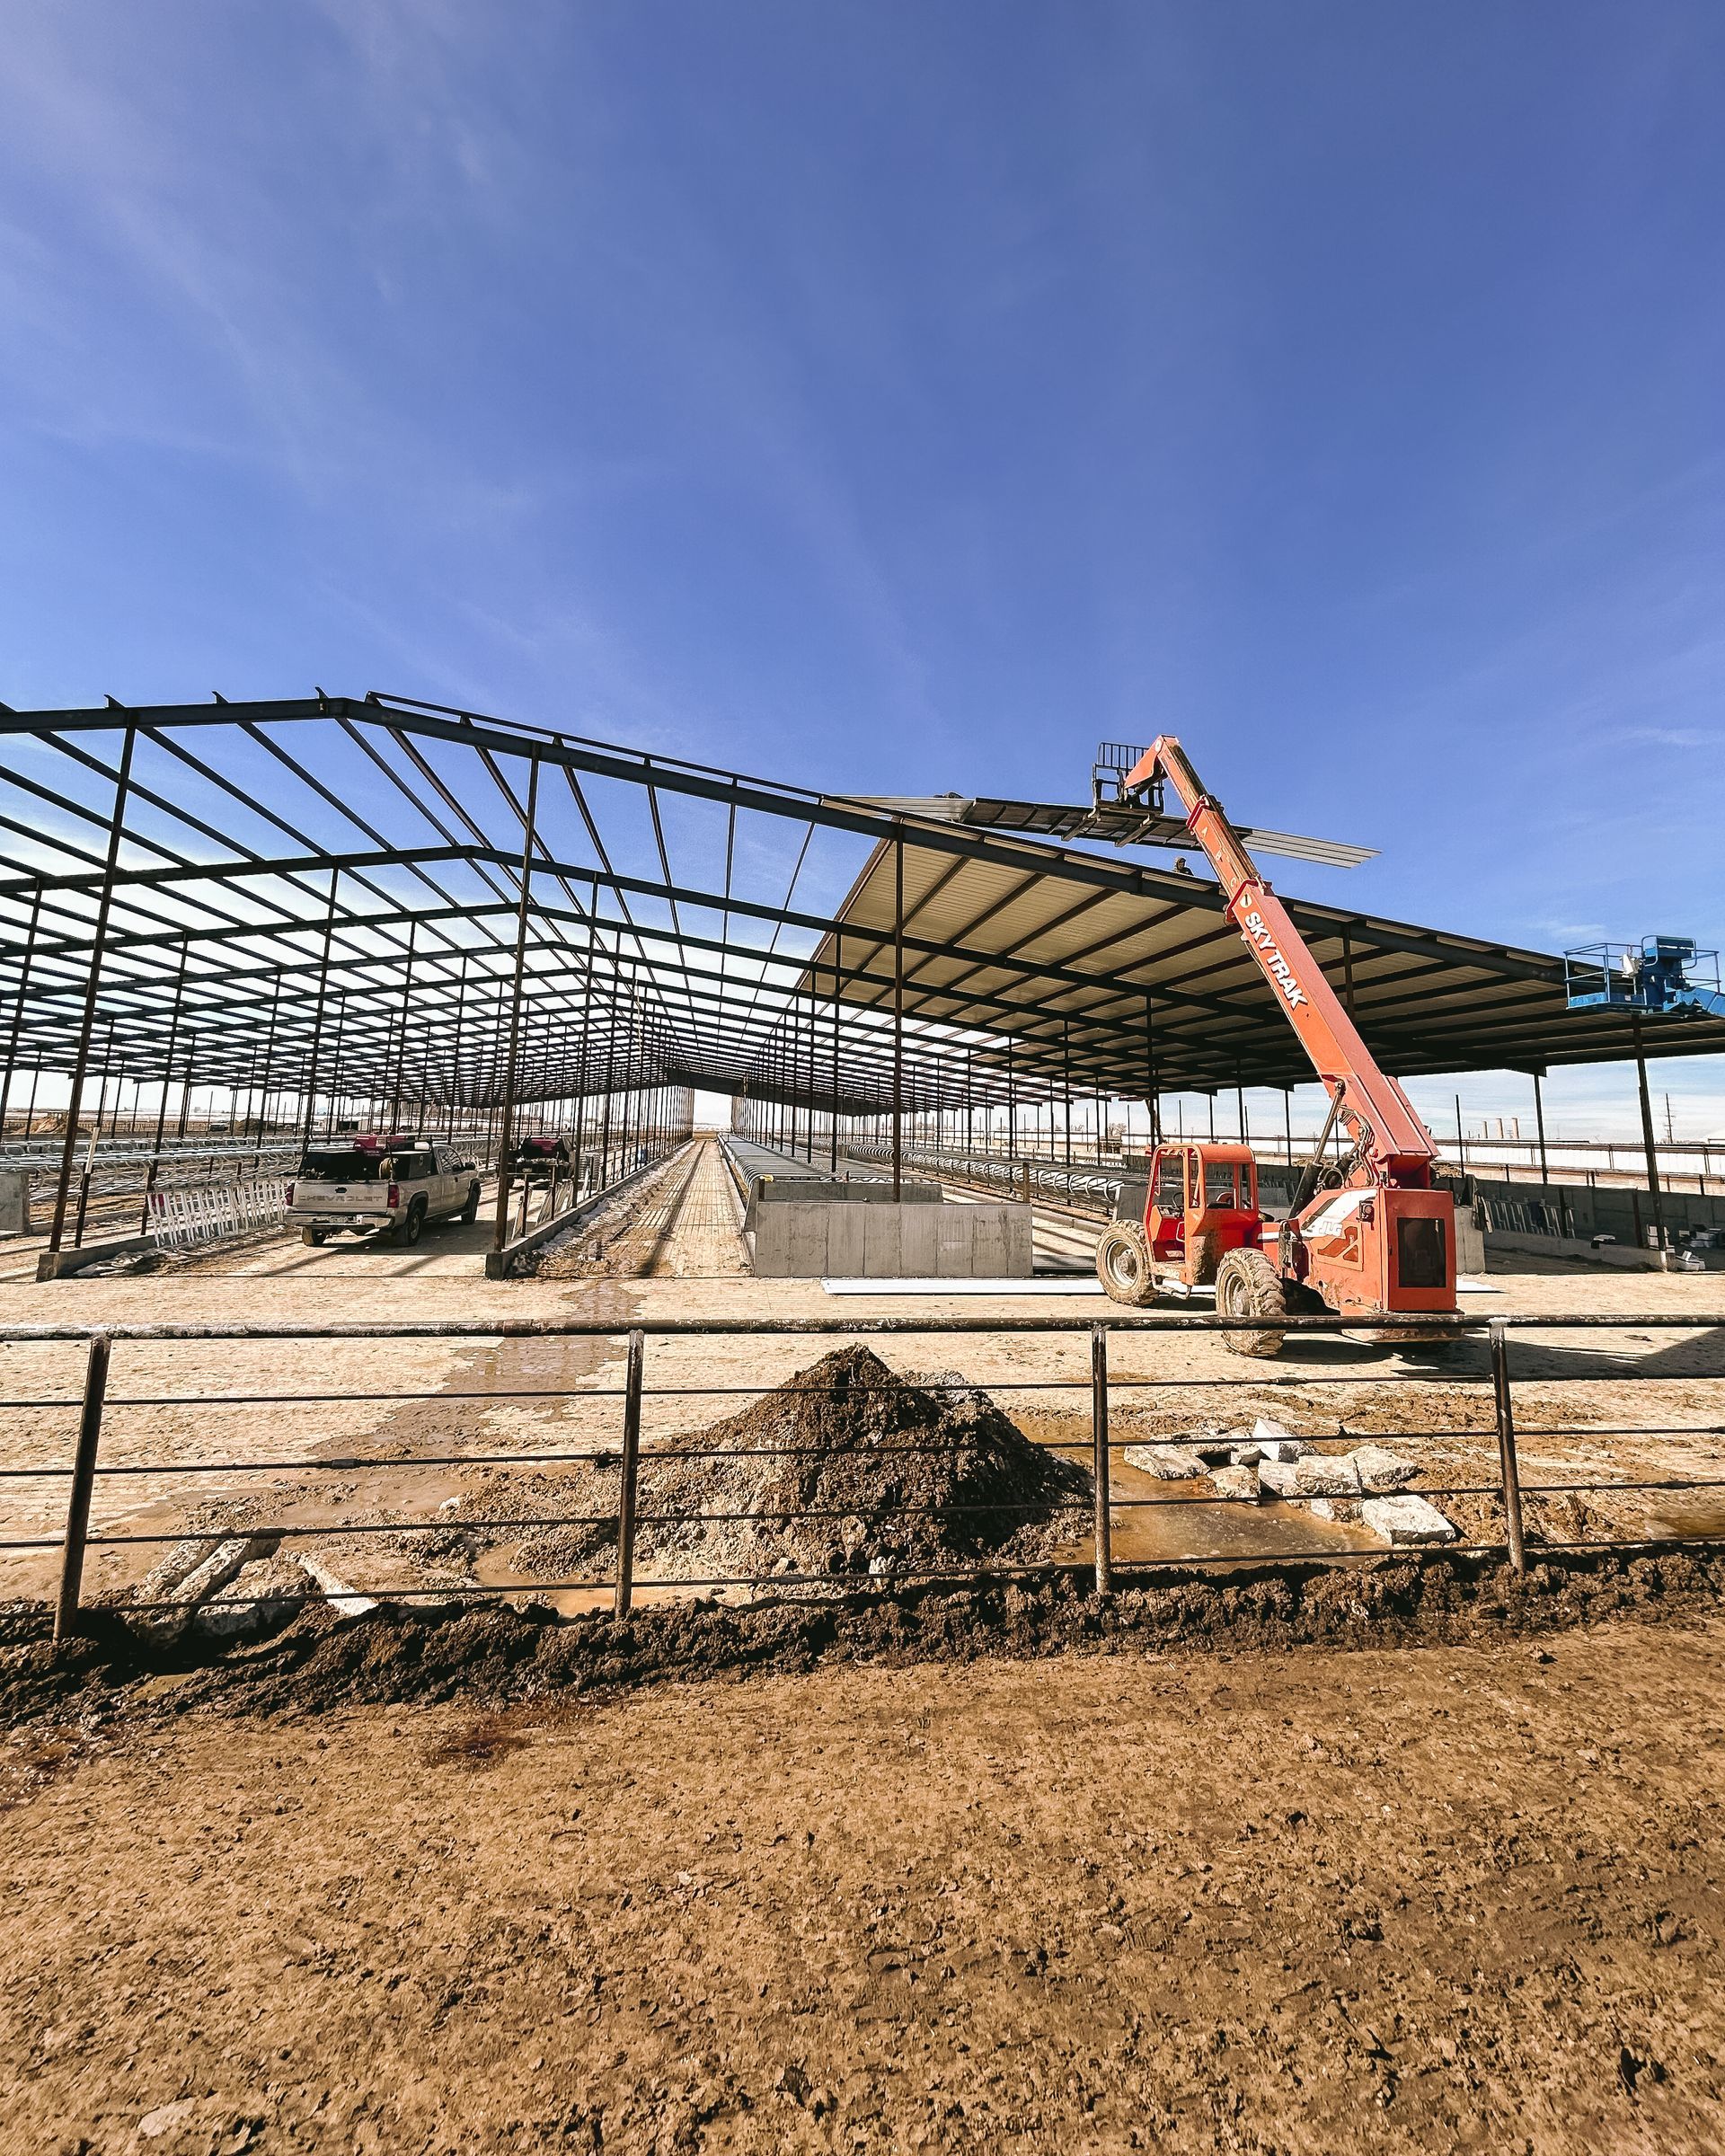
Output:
x=312 y=1237
x=1248 y=1285
x=470 y=1211
x=1123 y=1263
x=415 y=1220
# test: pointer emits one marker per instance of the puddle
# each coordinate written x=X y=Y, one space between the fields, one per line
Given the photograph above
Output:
x=1154 y=1522
x=1164 y=1522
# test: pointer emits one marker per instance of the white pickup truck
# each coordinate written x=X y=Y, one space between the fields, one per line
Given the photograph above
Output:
x=393 y=1185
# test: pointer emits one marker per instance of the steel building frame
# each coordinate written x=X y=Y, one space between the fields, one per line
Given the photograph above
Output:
x=381 y=900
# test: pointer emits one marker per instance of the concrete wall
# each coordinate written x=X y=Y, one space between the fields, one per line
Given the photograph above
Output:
x=1573 y=1210
x=14 y=1201
x=813 y=1239
x=776 y=1190
x=1621 y=1254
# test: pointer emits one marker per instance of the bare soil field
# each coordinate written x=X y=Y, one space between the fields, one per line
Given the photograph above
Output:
x=1458 y=1896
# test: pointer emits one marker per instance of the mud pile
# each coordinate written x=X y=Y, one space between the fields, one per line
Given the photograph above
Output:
x=885 y=1475
x=498 y=1656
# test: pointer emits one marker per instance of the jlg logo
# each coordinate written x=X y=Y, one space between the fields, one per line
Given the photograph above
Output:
x=1282 y=972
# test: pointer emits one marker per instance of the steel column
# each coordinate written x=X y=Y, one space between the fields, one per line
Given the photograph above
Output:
x=454 y=1053
x=897 y=1013
x=506 y=1137
x=1539 y=1119
x=317 y=1017
x=93 y=986
x=167 y=1078
x=1653 y=1190
x=18 y=1009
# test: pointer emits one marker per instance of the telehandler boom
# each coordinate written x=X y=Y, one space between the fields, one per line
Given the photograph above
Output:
x=1367 y=1238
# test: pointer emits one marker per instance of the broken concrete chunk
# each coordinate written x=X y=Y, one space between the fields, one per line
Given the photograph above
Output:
x=184 y=1558
x=1380 y=1470
x=1215 y=1451
x=1407 y=1520
x=1236 y=1482
x=341 y=1595
x=1277 y=1476
x=1275 y=1442
x=1345 y=1511
x=1321 y=1475
x=1278 y=1439
x=219 y=1567
x=269 y=1591
x=1167 y=1463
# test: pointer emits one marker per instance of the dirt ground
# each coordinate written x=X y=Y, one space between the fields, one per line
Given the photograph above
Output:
x=685 y=1223
x=1463 y=1896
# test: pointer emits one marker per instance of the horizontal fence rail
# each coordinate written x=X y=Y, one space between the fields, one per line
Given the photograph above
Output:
x=1086 y=1513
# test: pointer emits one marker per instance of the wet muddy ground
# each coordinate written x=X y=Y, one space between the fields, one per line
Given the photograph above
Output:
x=1461 y=1895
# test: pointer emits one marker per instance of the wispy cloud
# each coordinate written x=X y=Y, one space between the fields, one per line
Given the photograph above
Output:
x=1672 y=737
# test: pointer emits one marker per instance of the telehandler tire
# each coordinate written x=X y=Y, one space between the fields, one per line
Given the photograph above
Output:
x=1123 y=1264
x=1248 y=1285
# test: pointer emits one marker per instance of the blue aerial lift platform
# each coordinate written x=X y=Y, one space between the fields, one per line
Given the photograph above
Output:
x=1667 y=973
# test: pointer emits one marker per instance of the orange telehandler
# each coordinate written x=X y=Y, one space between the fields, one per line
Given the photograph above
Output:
x=1366 y=1237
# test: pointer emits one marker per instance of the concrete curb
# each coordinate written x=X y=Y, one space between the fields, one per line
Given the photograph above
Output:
x=54 y=1265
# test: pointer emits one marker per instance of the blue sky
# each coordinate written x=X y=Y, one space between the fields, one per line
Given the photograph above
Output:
x=897 y=397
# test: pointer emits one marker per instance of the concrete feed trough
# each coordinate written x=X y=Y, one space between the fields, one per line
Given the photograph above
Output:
x=803 y=1229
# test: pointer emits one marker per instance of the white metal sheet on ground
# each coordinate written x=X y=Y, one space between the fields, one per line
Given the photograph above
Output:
x=1476 y=1287
x=963 y=1287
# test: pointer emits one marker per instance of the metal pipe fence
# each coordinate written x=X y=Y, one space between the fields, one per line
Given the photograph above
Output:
x=1102 y=1514
x=1024 y=1177
x=180 y=1219
x=119 y=1188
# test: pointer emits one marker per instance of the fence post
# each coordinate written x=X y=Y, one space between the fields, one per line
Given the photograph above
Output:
x=631 y=1464
x=1507 y=1445
x=1099 y=1434
x=83 y=1476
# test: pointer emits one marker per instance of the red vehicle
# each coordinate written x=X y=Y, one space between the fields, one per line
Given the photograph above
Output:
x=542 y=1158
x=1369 y=1237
